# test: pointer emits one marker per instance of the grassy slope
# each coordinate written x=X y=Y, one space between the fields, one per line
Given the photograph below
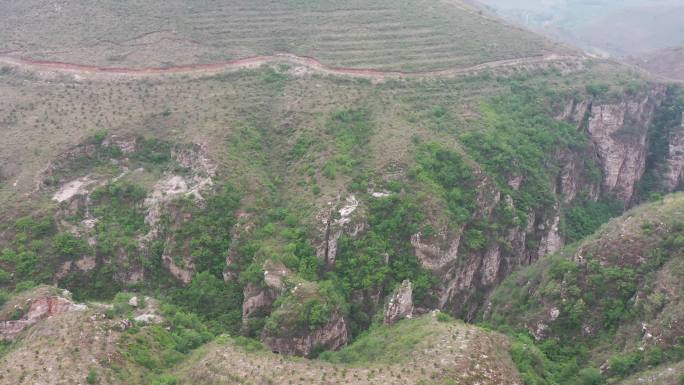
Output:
x=406 y=34
x=421 y=351
x=621 y=306
x=66 y=348
x=45 y=118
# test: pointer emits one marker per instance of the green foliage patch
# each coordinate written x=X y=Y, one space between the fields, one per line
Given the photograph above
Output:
x=518 y=138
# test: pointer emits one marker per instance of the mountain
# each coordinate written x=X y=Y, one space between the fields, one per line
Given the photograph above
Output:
x=297 y=178
x=618 y=28
x=666 y=62
x=613 y=300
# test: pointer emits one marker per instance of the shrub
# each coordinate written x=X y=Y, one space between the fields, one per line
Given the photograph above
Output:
x=445 y=168
x=5 y=277
x=330 y=170
x=92 y=377
x=623 y=364
x=24 y=285
x=68 y=245
x=591 y=376
x=218 y=303
x=444 y=317
x=166 y=379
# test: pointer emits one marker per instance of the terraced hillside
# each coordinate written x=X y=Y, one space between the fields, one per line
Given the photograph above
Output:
x=380 y=34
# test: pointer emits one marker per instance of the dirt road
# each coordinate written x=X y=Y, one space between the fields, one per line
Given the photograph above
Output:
x=311 y=65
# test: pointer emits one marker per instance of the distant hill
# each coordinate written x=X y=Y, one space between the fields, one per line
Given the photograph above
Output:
x=667 y=62
x=614 y=27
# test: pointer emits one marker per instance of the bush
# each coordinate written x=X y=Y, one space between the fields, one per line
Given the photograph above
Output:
x=5 y=277
x=444 y=317
x=67 y=245
x=92 y=377
x=447 y=169
x=166 y=379
x=584 y=217
x=24 y=285
x=624 y=364
x=591 y=376
x=218 y=303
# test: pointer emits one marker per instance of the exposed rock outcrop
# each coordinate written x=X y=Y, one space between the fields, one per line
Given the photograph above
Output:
x=675 y=160
x=258 y=299
x=36 y=309
x=331 y=336
x=619 y=134
x=175 y=257
x=344 y=220
x=400 y=305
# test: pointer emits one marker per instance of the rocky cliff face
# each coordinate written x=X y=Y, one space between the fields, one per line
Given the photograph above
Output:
x=331 y=336
x=258 y=299
x=74 y=199
x=675 y=159
x=341 y=219
x=400 y=304
x=618 y=133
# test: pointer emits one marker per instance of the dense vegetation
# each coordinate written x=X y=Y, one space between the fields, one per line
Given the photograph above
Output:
x=282 y=172
x=668 y=117
x=603 y=293
x=518 y=139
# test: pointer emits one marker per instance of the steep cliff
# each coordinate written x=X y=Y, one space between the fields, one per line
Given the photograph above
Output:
x=618 y=130
x=306 y=321
x=619 y=138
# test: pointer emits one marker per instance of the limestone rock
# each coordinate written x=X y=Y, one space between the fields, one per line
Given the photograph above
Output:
x=38 y=309
x=345 y=220
x=618 y=131
x=675 y=160
x=332 y=336
x=258 y=299
x=400 y=305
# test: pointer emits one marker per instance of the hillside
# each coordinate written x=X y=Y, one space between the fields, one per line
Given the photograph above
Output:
x=110 y=344
x=381 y=34
x=613 y=300
x=298 y=178
x=617 y=28
x=667 y=62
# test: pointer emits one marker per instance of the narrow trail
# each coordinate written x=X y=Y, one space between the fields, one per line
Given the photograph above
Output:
x=312 y=64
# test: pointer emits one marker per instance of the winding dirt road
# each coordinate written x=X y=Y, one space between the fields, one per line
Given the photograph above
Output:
x=310 y=64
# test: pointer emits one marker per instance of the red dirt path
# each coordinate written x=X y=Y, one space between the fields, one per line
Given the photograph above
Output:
x=256 y=61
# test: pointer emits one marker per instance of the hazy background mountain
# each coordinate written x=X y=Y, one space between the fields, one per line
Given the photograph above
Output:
x=608 y=26
x=632 y=28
